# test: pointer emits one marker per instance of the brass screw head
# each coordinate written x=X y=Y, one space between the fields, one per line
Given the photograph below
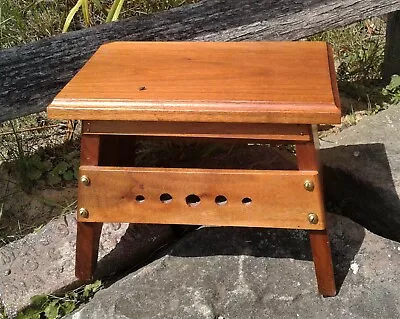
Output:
x=313 y=218
x=85 y=180
x=84 y=212
x=309 y=185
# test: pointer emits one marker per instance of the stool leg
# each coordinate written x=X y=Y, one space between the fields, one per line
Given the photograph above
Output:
x=88 y=234
x=323 y=262
x=87 y=248
x=98 y=150
x=308 y=159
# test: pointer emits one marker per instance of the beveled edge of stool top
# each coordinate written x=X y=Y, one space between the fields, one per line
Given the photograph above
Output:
x=244 y=82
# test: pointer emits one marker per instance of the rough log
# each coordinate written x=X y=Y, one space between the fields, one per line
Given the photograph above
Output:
x=32 y=74
x=391 y=64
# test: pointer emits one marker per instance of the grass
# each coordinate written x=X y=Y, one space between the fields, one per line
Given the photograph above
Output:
x=22 y=21
x=358 y=49
x=359 y=52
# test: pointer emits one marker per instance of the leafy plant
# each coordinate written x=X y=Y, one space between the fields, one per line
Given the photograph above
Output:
x=93 y=11
x=65 y=169
x=392 y=90
x=53 y=307
x=35 y=156
x=359 y=49
x=31 y=169
x=85 y=4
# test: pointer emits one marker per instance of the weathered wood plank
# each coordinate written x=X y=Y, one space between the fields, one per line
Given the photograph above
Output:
x=392 y=49
x=32 y=74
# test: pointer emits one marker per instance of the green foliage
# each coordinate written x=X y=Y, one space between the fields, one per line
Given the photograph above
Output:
x=22 y=21
x=36 y=161
x=115 y=10
x=53 y=307
x=53 y=170
x=85 y=11
x=359 y=49
x=392 y=90
x=97 y=11
x=3 y=312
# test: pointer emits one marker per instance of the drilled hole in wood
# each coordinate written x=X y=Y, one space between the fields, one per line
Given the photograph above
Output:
x=192 y=200
x=220 y=200
x=246 y=201
x=140 y=198
x=165 y=198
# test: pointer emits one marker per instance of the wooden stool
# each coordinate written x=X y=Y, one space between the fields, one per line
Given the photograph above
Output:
x=248 y=91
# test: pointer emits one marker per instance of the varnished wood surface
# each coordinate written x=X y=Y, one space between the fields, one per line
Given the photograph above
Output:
x=247 y=131
x=308 y=159
x=279 y=199
x=248 y=82
x=88 y=234
x=322 y=257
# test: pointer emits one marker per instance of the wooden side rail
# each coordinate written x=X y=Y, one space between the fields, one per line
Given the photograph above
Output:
x=201 y=197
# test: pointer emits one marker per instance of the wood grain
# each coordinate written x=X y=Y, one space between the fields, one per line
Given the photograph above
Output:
x=322 y=257
x=247 y=82
x=28 y=85
x=246 y=131
x=88 y=234
x=308 y=159
x=268 y=190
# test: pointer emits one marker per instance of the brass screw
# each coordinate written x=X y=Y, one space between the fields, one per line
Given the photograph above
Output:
x=84 y=212
x=85 y=180
x=309 y=185
x=313 y=218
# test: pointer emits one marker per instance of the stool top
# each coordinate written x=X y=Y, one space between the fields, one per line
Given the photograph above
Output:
x=247 y=82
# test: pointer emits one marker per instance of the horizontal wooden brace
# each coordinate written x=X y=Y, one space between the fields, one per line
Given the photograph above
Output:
x=247 y=131
x=276 y=199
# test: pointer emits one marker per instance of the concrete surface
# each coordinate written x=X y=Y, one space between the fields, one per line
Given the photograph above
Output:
x=44 y=262
x=362 y=172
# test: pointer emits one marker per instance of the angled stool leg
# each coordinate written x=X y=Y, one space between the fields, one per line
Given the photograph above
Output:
x=307 y=159
x=87 y=247
x=88 y=234
x=98 y=150
x=323 y=262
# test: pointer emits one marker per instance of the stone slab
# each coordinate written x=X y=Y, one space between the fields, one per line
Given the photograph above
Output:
x=44 y=262
x=370 y=150
x=362 y=172
x=231 y=273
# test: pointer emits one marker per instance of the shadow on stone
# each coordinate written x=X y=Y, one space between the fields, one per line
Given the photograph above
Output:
x=359 y=184
x=138 y=243
x=273 y=243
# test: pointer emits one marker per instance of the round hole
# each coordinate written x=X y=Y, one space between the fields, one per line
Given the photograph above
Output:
x=165 y=198
x=220 y=200
x=246 y=201
x=192 y=200
x=140 y=198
